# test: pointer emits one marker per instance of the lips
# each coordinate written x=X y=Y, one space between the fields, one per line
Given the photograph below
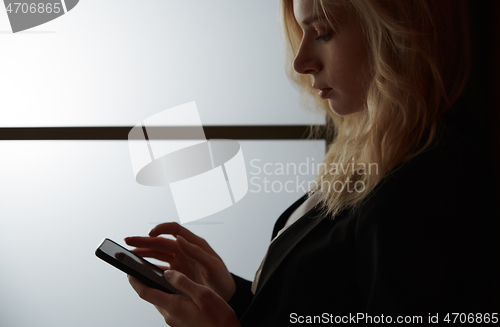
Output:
x=323 y=93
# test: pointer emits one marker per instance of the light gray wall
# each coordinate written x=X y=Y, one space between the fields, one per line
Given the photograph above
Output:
x=59 y=199
x=111 y=62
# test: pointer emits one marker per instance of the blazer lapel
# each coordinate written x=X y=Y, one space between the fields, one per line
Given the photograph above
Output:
x=280 y=223
x=280 y=248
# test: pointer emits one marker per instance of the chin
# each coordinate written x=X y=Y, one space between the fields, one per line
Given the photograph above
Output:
x=342 y=111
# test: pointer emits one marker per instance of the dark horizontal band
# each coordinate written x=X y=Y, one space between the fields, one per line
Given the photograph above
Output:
x=268 y=132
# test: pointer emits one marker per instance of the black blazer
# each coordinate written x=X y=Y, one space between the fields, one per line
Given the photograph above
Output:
x=425 y=242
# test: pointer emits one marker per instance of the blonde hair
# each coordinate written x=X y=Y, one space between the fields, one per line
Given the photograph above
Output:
x=420 y=61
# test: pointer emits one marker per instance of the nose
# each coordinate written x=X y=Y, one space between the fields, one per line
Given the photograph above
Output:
x=306 y=61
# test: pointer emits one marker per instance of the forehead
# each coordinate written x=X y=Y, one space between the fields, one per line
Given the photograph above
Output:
x=309 y=11
x=303 y=9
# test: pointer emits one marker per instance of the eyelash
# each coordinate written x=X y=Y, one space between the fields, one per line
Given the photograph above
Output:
x=324 y=37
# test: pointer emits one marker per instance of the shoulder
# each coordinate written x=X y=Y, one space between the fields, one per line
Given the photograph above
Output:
x=441 y=203
x=453 y=172
x=431 y=227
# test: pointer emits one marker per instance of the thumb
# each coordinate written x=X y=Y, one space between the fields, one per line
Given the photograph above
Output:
x=198 y=293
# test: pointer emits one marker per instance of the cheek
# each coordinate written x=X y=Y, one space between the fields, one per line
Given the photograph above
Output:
x=355 y=72
x=348 y=72
x=345 y=64
x=348 y=76
x=348 y=80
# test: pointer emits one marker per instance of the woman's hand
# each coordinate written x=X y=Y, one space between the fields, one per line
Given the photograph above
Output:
x=188 y=254
x=205 y=308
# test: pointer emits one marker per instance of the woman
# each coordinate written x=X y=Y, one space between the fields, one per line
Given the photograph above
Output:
x=410 y=240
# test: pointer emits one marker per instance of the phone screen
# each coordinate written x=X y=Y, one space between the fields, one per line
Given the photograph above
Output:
x=134 y=265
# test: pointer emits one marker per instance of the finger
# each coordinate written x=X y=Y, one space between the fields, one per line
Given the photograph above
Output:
x=200 y=295
x=172 y=228
x=153 y=243
x=150 y=294
x=164 y=267
x=194 y=252
x=170 y=306
x=147 y=253
x=166 y=315
x=175 y=229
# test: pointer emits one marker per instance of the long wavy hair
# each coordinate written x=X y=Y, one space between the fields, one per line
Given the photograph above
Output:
x=420 y=61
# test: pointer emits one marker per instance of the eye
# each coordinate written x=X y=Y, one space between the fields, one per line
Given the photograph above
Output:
x=324 y=37
x=324 y=33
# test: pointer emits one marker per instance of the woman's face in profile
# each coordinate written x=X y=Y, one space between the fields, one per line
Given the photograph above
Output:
x=337 y=60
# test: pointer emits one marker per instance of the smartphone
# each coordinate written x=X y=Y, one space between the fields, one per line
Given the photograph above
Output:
x=135 y=266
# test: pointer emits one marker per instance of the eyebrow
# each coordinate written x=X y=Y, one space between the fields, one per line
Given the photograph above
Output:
x=310 y=19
